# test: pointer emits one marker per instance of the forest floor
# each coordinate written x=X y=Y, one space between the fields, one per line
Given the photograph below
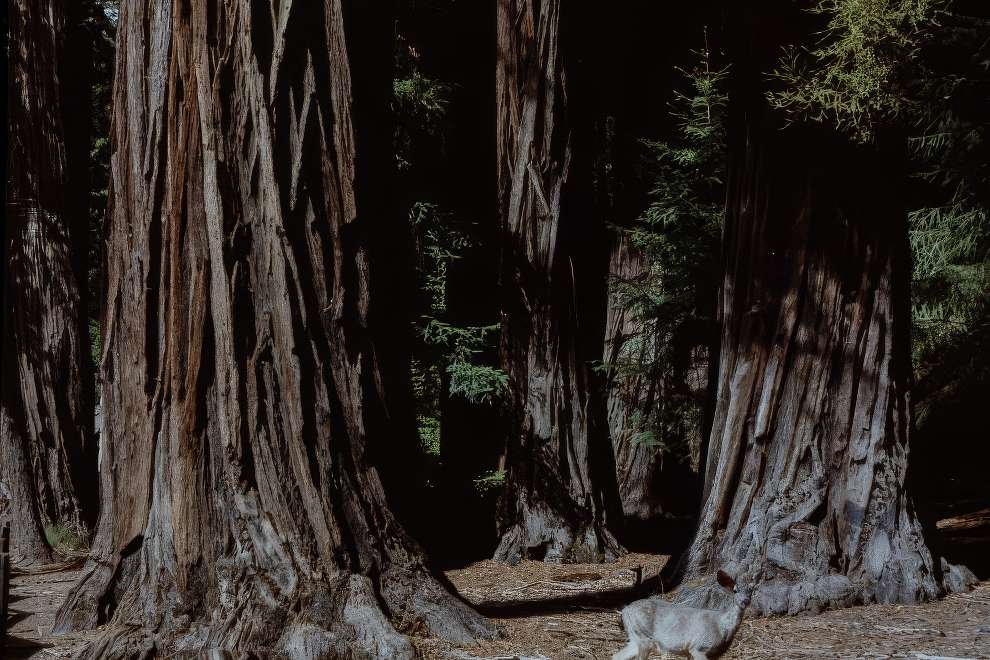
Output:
x=955 y=627
x=35 y=596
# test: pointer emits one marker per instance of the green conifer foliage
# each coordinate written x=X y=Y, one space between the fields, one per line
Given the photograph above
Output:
x=679 y=234
x=448 y=358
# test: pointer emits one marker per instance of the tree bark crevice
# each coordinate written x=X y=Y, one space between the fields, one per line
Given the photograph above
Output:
x=241 y=508
x=805 y=488
x=47 y=449
x=561 y=496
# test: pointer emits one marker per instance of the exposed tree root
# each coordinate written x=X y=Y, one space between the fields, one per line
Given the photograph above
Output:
x=340 y=617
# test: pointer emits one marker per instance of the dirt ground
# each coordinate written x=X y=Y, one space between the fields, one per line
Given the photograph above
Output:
x=35 y=596
x=486 y=583
x=955 y=627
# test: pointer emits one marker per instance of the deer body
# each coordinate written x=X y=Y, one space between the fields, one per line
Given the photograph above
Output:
x=697 y=633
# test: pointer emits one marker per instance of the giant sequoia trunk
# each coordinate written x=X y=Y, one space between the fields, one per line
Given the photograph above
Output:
x=243 y=386
x=805 y=482
x=637 y=464
x=47 y=455
x=560 y=493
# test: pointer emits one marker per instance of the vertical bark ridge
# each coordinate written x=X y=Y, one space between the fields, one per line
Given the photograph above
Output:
x=242 y=510
x=805 y=483
x=47 y=453
x=561 y=492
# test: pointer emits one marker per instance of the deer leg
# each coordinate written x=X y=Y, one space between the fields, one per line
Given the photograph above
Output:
x=629 y=652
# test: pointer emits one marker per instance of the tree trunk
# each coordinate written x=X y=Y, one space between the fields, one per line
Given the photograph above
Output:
x=659 y=483
x=637 y=463
x=47 y=453
x=243 y=390
x=560 y=493
x=805 y=482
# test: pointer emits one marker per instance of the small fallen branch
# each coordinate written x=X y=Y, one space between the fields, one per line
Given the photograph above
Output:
x=524 y=586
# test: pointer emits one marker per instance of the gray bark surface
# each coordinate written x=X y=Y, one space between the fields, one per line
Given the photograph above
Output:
x=242 y=388
x=47 y=453
x=558 y=460
x=805 y=479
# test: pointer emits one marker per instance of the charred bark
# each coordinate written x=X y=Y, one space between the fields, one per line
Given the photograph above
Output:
x=47 y=453
x=560 y=495
x=805 y=480
x=243 y=385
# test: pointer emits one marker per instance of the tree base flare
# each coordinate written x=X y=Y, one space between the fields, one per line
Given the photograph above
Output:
x=346 y=617
x=905 y=577
x=544 y=536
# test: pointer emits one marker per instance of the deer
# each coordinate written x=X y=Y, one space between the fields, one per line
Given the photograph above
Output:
x=692 y=632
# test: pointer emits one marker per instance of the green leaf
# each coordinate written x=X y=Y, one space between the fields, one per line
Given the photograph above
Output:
x=477 y=383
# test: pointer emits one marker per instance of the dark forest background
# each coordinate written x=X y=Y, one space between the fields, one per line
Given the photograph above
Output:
x=706 y=152
x=657 y=75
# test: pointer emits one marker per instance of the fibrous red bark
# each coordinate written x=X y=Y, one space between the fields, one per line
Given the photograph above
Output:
x=243 y=386
x=560 y=495
x=47 y=453
x=805 y=481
